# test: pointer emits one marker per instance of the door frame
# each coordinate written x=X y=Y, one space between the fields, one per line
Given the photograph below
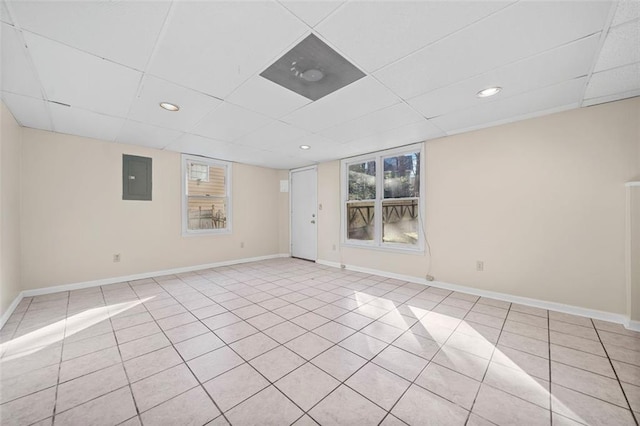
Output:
x=291 y=171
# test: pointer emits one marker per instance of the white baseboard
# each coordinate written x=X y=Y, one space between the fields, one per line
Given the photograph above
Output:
x=537 y=303
x=113 y=280
x=12 y=307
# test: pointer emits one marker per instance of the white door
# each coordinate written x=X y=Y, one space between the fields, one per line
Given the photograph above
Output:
x=304 y=199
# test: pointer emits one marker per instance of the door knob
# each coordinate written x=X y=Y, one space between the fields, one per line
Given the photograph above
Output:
x=313 y=221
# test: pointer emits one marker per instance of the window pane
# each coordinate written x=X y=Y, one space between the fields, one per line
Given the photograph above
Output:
x=211 y=188
x=362 y=181
x=207 y=213
x=360 y=221
x=402 y=176
x=400 y=221
x=198 y=171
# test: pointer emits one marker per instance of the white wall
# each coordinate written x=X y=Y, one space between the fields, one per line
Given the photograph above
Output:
x=9 y=208
x=541 y=202
x=74 y=218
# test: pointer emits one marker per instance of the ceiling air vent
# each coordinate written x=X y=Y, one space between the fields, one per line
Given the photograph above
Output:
x=312 y=69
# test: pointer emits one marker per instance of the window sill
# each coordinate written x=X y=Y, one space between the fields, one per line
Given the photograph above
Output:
x=418 y=251
x=206 y=233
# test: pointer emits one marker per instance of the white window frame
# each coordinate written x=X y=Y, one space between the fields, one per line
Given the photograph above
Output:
x=186 y=159
x=377 y=243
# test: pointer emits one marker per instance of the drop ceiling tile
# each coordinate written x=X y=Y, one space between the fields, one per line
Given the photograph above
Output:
x=82 y=80
x=272 y=135
x=569 y=61
x=379 y=121
x=76 y=121
x=614 y=81
x=229 y=122
x=626 y=11
x=135 y=133
x=264 y=96
x=538 y=102
x=322 y=149
x=197 y=145
x=376 y=33
x=621 y=47
x=28 y=112
x=4 y=13
x=511 y=34
x=213 y=47
x=18 y=75
x=355 y=100
x=312 y=11
x=410 y=133
x=122 y=31
x=193 y=105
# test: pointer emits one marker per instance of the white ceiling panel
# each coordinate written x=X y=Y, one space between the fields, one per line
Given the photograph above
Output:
x=215 y=46
x=548 y=68
x=506 y=110
x=621 y=47
x=18 y=75
x=376 y=33
x=322 y=149
x=135 y=133
x=272 y=136
x=614 y=81
x=518 y=31
x=28 y=112
x=626 y=11
x=229 y=122
x=82 y=80
x=264 y=96
x=122 y=31
x=312 y=11
x=76 y=121
x=411 y=133
x=4 y=13
x=194 y=144
x=355 y=100
x=387 y=118
x=193 y=105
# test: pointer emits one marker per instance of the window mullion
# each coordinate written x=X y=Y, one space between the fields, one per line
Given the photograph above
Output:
x=378 y=203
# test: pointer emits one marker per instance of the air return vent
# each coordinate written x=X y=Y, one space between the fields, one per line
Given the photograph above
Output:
x=312 y=69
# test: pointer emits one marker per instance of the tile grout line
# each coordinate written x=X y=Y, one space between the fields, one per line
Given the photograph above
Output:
x=633 y=415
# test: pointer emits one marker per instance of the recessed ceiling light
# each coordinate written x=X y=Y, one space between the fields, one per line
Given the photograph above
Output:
x=489 y=91
x=169 y=107
x=304 y=147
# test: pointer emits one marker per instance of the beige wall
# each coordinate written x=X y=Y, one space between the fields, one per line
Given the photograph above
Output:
x=9 y=208
x=633 y=301
x=74 y=218
x=283 y=215
x=541 y=202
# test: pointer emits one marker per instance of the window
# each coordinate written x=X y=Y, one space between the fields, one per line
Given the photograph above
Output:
x=206 y=196
x=381 y=194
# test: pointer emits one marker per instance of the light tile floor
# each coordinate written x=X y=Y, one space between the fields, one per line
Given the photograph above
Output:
x=286 y=341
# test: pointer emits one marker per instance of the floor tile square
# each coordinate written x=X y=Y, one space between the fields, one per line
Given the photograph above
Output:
x=27 y=383
x=151 y=363
x=587 y=382
x=284 y=332
x=277 y=362
x=354 y=320
x=234 y=332
x=345 y=407
x=214 y=363
x=290 y=311
x=254 y=345
x=334 y=332
x=463 y=362
x=419 y=407
x=363 y=345
x=29 y=409
x=125 y=335
x=401 y=362
x=379 y=385
x=310 y=320
x=163 y=386
x=266 y=320
x=249 y=311
x=221 y=320
x=193 y=407
x=143 y=346
x=176 y=320
x=308 y=345
x=586 y=409
x=273 y=408
x=518 y=383
x=339 y=362
x=198 y=345
x=185 y=332
x=234 y=386
x=82 y=389
x=502 y=408
x=307 y=385
x=109 y=409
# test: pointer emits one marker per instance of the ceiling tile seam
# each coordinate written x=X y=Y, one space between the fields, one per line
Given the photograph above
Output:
x=491 y=101
x=83 y=51
x=508 y=64
x=615 y=68
x=32 y=65
x=160 y=36
x=445 y=37
x=610 y=98
x=625 y=23
x=344 y=2
x=603 y=36
x=521 y=117
x=390 y=129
